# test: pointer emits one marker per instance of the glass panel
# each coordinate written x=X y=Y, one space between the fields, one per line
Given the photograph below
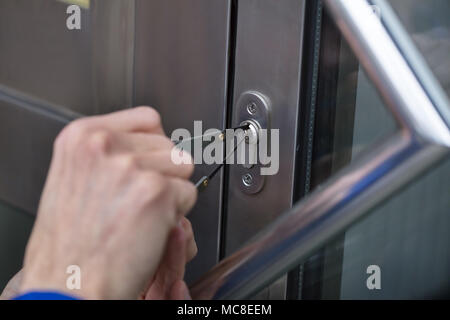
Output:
x=15 y=228
x=345 y=96
x=428 y=23
x=408 y=237
x=374 y=121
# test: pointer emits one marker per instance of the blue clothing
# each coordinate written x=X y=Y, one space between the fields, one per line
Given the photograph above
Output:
x=44 y=295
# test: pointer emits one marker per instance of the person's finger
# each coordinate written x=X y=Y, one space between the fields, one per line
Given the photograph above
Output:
x=191 y=245
x=161 y=162
x=180 y=291
x=175 y=253
x=139 y=119
x=142 y=142
x=185 y=195
x=12 y=288
x=172 y=267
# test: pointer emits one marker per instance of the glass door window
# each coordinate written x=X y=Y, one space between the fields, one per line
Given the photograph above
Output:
x=408 y=236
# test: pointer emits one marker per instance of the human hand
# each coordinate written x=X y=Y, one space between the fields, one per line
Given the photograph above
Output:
x=12 y=289
x=168 y=284
x=111 y=198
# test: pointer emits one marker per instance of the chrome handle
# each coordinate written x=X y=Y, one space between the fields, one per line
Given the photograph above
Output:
x=423 y=140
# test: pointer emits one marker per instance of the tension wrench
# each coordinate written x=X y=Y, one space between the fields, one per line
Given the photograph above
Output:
x=220 y=134
x=203 y=183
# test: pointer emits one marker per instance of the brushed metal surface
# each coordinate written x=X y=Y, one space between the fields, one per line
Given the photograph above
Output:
x=268 y=54
x=27 y=130
x=88 y=71
x=112 y=46
x=41 y=57
x=50 y=75
x=181 y=64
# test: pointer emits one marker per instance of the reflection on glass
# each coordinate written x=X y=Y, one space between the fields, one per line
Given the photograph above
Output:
x=408 y=237
x=346 y=99
x=88 y=70
x=428 y=23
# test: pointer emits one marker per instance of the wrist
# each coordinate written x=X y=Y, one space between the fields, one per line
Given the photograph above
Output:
x=60 y=283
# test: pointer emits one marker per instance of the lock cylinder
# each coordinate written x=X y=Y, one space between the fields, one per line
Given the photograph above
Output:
x=252 y=133
x=253 y=116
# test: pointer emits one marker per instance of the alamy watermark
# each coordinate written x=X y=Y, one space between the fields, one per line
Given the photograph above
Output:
x=73 y=22
x=373 y=282
x=242 y=147
x=73 y=281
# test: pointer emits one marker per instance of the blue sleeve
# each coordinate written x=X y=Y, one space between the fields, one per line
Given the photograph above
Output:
x=44 y=295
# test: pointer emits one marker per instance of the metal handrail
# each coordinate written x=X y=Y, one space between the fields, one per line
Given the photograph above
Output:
x=423 y=140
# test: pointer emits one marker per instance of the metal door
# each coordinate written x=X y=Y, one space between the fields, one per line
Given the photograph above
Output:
x=172 y=55
x=191 y=60
x=340 y=152
x=358 y=158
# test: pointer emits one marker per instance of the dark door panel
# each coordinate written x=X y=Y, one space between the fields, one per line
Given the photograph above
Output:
x=27 y=132
x=181 y=68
